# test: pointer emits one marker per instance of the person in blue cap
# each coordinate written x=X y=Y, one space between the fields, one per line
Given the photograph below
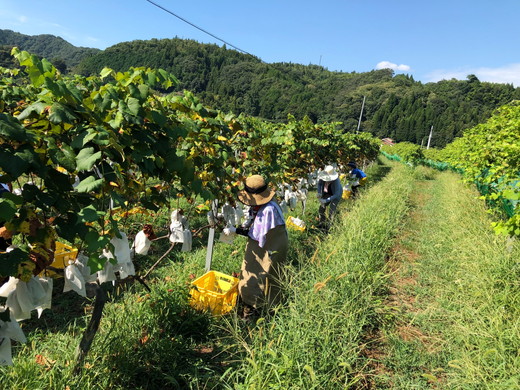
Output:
x=357 y=178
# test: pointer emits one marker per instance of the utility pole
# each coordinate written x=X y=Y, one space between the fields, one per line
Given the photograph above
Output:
x=360 y=115
x=320 y=61
x=429 y=138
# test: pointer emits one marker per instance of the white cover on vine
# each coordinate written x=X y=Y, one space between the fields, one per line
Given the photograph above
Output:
x=187 y=240
x=239 y=215
x=24 y=297
x=121 y=249
x=74 y=280
x=228 y=213
x=8 y=287
x=284 y=207
x=176 y=234
x=141 y=244
x=179 y=223
x=82 y=264
x=291 y=199
x=107 y=274
x=124 y=265
x=44 y=284
x=9 y=330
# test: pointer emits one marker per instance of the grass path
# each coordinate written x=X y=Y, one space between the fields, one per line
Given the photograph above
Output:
x=453 y=303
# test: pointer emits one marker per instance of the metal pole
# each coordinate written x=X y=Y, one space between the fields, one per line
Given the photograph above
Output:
x=211 y=236
x=361 y=114
x=429 y=138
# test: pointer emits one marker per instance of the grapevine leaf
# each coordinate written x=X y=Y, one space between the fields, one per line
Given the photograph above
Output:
x=34 y=110
x=106 y=72
x=33 y=194
x=58 y=181
x=67 y=226
x=89 y=214
x=89 y=184
x=134 y=106
x=58 y=113
x=96 y=263
x=144 y=90
x=9 y=261
x=83 y=138
x=7 y=210
x=158 y=118
x=11 y=129
x=68 y=161
x=63 y=156
x=12 y=164
x=86 y=159
x=95 y=242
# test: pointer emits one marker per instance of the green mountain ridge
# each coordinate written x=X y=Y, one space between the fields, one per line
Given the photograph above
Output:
x=396 y=106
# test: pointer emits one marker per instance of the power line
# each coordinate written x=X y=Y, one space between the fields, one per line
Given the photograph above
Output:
x=197 y=27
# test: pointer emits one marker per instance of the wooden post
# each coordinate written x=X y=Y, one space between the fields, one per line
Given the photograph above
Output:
x=90 y=332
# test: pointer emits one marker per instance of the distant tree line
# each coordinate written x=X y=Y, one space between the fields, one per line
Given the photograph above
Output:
x=396 y=106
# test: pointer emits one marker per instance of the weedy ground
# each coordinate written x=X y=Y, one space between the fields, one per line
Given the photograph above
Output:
x=409 y=289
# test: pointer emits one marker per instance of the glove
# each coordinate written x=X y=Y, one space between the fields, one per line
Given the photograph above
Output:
x=229 y=230
x=322 y=201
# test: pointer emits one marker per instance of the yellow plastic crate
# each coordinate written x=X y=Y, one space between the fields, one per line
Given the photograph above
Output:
x=63 y=255
x=295 y=223
x=215 y=292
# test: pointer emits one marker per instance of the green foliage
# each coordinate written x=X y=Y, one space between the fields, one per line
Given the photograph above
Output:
x=406 y=151
x=489 y=155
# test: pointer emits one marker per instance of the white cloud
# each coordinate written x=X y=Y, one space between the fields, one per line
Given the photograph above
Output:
x=391 y=65
x=22 y=19
x=507 y=74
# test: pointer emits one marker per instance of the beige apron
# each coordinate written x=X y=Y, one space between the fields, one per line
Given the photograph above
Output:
x=260 y=279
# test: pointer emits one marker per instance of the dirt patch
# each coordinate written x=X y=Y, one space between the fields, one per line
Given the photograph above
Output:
x=401 y=299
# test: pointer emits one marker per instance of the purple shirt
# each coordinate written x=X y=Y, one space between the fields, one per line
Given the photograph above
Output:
x=268 y=217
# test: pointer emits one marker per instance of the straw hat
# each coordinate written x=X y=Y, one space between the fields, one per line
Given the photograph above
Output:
x=328 y=174
x=255 y=192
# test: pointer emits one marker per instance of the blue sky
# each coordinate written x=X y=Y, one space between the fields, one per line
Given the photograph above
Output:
x=430 y=40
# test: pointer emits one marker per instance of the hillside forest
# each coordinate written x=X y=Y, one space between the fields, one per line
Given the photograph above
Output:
x=396 y=106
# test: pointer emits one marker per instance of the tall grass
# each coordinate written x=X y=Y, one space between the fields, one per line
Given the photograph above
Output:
x=467 y=298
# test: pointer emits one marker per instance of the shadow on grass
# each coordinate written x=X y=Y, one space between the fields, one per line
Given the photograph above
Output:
x=177 y=347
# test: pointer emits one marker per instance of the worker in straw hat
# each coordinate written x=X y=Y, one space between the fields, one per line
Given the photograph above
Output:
x=329 y=194
x=266 y=249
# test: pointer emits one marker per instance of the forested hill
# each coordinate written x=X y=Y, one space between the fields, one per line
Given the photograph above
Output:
x=55 y=49
x=396 y=106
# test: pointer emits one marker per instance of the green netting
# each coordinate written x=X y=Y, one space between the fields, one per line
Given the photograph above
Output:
x=394 y=157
